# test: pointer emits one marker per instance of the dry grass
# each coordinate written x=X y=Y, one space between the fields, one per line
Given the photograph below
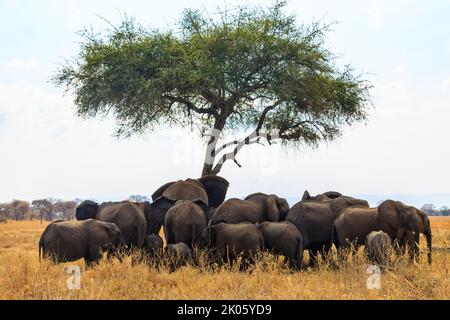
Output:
x=23 y=277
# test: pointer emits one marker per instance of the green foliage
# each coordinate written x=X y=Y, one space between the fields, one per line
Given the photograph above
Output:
x=249 y=68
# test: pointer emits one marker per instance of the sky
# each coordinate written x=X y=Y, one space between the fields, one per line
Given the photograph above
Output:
x=402 y=152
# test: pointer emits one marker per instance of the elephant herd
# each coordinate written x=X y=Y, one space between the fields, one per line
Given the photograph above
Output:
x=195 y=216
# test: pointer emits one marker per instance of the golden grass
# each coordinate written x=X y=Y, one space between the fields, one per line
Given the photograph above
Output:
x=23 y=277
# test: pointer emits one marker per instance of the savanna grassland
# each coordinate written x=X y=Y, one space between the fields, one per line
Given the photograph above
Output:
x=22 y=276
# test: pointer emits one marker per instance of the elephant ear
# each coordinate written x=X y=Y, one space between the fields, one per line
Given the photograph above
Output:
x=283 y=208
x=158 y=193
x=183 y=190
x=146 y=208
x=216 y=188
x=112 y=230
x=306 y=196
x=423 y=220
x=389 y=213
x=273 y=213
x=87 y=210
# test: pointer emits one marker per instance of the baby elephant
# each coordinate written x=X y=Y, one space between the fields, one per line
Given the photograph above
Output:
x=153 y=247
x=233 y=240
x=178 y=255
x=378 y=247
x=65 y=241
x=283 y=238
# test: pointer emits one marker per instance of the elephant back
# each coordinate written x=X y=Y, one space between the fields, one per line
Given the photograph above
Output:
x=184 y=190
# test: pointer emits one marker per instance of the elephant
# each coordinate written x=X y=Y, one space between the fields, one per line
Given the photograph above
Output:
x=425 y=229
x=314 y=219
x=391 y=217
x=330 y=195
x=378 y=247
x=184 y=222
x=66 y=241
x=207 y=192
x=128 y=216
x=257 y=194
x=257 y=208
x=283 y=238
x=229 y=241
x=153 y=247
x=178 y=254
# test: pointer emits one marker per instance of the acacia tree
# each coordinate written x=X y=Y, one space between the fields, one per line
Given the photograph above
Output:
x=45 y=208
x=248 y=69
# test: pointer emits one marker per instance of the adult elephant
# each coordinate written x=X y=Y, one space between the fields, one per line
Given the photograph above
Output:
x=66 y=241
x=425 y=229
x=283 y=238
x=330 y=195
x=229 y=241
x=391 y=217
x=184 y=222
x=257 y=208
x=314 y=219
x=130 y=217
x=207 y=192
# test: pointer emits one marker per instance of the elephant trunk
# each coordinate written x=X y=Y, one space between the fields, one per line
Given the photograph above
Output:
x=414 y=244
x=429 y=244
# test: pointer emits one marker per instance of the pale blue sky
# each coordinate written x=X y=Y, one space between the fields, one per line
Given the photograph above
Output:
x=403 y=46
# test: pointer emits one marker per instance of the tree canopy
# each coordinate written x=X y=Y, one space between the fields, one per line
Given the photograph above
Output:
x=249 y=68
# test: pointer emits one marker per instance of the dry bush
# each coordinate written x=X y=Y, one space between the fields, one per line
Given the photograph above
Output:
x=23 y=277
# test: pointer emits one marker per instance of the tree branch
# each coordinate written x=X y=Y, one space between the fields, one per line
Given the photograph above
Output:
x=264 y=115
x=253 y=138
x=211 y=111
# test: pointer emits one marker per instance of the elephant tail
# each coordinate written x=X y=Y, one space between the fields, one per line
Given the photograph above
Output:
x=194 y=235
x=299 y=253
x=261 y=239
x=41 y=249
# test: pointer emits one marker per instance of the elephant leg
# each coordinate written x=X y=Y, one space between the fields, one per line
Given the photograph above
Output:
x=94 y=255
x=342 y=254
x=166 y=235
x=89 y=262
x=325 y=251
x=219 y=259
x=293 y=264
x=313 y=257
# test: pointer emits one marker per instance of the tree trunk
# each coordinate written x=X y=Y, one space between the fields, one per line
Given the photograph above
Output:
x=211 y=147
x=207 y=169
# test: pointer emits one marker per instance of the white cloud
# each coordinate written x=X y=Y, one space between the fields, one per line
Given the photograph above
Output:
x=17 y=64
x=401 y=68
x=375 y=18
x=446 y=84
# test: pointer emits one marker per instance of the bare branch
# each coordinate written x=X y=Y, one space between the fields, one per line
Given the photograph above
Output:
x=253 y=138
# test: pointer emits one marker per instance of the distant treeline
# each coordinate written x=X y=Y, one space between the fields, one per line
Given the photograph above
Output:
x=45 y=209
x=53 y=209
x=431 y=210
